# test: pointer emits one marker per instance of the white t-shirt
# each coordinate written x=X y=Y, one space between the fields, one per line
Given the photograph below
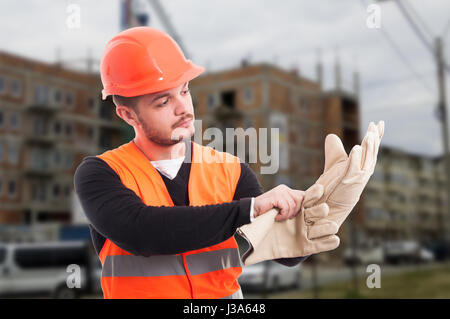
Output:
x=170 y=168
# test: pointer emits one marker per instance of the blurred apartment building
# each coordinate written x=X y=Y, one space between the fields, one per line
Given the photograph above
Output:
x=50 y=118
x=266 y=96
x=406 y=197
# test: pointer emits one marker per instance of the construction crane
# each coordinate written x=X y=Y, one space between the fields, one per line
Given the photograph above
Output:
x=135 y=13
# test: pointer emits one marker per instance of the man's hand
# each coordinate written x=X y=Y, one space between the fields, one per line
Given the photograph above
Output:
x=287 y=200
x=289 y=238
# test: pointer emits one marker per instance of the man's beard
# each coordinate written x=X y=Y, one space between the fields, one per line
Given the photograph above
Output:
x=157 y=137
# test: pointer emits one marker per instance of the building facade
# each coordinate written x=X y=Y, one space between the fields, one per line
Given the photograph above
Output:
x=406 y=197
x=50 y=119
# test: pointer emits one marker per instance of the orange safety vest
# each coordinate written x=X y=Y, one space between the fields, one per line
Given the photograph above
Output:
x=205 y=273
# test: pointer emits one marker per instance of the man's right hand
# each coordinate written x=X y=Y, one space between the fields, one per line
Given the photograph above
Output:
x=287 y=200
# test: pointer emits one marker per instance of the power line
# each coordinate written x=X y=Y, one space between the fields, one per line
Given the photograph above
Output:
x=402 y=57
x=418 y=32
x=399 y=80
x=414 y=26
x=425 y=27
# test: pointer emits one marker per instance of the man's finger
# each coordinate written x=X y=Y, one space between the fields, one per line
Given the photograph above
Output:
x=297 y=197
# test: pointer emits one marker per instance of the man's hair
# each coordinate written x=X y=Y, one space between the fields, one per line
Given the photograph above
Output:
x=131 y=102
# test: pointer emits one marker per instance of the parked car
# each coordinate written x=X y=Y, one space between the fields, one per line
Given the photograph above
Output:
x=42 y=268
x=407 y=252
x=269 y=276
x=364 y=255
x=440 y=249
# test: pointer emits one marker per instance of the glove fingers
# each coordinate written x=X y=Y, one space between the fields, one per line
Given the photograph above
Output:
x=312 y=195
x=354 y=168
x=380 y=128
x=379 y=131
x=334 y=151
x=326 y=243
x=315 y=213
x=368 y=148
x=322 y=228
x=371 y=129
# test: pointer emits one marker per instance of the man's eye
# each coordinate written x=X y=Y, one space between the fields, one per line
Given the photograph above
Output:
x=186 y=91
x=164 y=103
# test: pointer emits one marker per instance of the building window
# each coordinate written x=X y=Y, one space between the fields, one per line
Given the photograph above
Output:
x=248 y=95
x=2 y=85
x=13 y=153
x=68 y=129
x=69 y=160
x=41 y=94
x=41 y=193
x=56 y=190
x=57 y=96
x=57 y=127
x=14 y=119
x=305 y=105
x=57 y=158
x=212 y=101
x=248 y=123
x=91 y=104
x=16 y=88
x=1 y=184
x=90 y=132
x=1 y=118
x=67 y=191
x=68 y=98
x=38 y=127
x=1 y=152
x=33 y=192
x=12 y=188
x=228 y=98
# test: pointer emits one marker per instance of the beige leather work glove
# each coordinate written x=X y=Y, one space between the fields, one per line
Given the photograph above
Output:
x=345 y=177
x=339 y=187
x=270 y=239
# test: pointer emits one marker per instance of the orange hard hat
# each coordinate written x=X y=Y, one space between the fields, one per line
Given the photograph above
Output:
x=144 y=60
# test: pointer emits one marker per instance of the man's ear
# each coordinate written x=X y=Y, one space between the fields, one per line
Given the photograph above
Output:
x=127 y=115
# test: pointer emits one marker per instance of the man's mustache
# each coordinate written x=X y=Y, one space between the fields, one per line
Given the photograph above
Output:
x=182 y=120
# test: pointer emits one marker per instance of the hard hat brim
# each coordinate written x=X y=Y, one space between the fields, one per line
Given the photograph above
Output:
x=192 y=71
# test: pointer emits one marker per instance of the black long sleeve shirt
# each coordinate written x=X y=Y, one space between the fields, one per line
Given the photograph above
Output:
x=117 y=213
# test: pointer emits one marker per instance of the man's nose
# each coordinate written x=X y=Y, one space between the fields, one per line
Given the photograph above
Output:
x=180 y=106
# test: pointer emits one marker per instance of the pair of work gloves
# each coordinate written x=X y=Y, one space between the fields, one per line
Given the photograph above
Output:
x=326 y=204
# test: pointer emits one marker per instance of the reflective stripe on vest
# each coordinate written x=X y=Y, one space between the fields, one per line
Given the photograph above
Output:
x=210 y=272
x=237 y=295
x=170 y=265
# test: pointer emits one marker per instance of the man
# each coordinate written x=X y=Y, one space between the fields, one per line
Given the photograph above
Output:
x=161 y=219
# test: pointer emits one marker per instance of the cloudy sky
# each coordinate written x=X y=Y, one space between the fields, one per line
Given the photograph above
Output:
x=398 y=80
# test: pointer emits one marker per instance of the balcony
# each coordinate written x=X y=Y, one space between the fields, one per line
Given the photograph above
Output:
x=41 y=108
x=48 y=206
x=38 y=172
x=40 y=139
